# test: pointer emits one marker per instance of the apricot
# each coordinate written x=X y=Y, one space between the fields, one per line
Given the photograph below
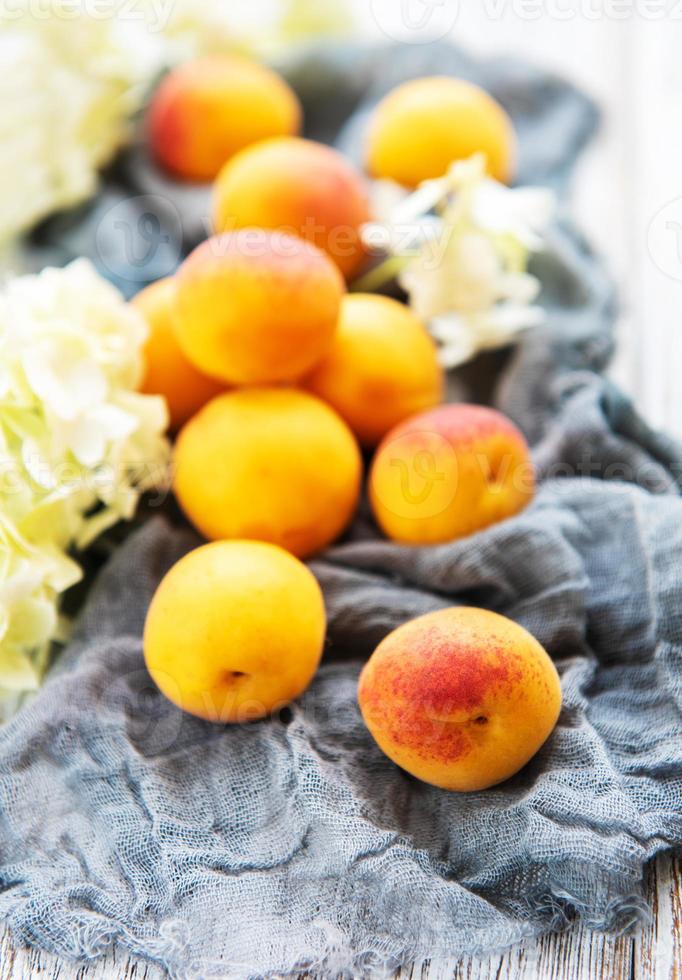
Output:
x=423 y=126
x=167 y=370
x=206 y=110
x=449 y=472
x=272 y=464
x=460 y=698
x=382 y=367
x=257 y=306
x=234 y=631
x=300 y=187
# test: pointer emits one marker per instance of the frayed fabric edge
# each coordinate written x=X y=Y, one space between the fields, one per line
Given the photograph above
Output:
x=94 y=936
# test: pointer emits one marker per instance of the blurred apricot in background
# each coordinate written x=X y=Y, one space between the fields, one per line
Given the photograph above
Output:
x=423 y=126
x=300 y=187
x=208 y=109
x=167 y=370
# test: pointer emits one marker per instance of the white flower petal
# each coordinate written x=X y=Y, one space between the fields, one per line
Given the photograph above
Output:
x=466 y=265
x=67 y=386
x=17 y=670
x=458 y=340
x=508 y=319
x=419 y=203
x=74 y=435
x=521 y=212
x=519 y=287
x=384 y=197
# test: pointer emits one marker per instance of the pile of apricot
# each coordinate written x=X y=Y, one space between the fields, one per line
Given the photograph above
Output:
x=277 y=378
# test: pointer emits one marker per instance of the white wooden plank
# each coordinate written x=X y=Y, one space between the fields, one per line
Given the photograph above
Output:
x=655 y=85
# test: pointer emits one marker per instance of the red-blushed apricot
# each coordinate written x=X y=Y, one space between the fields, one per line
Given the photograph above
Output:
x=449 y=472
x=423 y=126
x=382 y=367
x=461 y=698
x=256 y=306
x=271 y=464
x=235 y=631
x=206 y=110
x=300 y=187
x=167 y=370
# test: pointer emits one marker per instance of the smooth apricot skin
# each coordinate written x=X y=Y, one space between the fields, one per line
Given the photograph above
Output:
x=235 y=631
x=300 y=187
x=257 y=306
x=382 y=368
x=206 y=110
x=271 y=464
x=460 y=698
x=167 y=370
x=450 y=472
x=423 y=126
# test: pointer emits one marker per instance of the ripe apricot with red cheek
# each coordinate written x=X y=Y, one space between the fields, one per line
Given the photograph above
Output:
x=448 y=473
x=460 y=698
x=301 y=187
x=208 y=109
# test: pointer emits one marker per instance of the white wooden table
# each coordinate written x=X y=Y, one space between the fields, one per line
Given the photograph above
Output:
x=628 y=199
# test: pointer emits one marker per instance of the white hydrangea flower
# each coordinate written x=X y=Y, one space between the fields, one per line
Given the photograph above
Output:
x=71 y=82
x=463 y=242
x=75 y=73
x=78 y=444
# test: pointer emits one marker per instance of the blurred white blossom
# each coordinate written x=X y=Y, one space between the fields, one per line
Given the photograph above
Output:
x=78 y=444
x=301 y=19
x=75 y=73
x=464 y=242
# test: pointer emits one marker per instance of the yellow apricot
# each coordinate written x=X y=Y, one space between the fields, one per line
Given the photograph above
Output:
x=167 y=370
x=381 y=369
x=235 y=631
x=423 y=126
x=257 y=306
x=271 y=464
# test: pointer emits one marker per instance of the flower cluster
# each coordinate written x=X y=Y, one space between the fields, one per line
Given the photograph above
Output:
x=460 y=246
x=78 y=444
x=74 y=74
x=71 y=84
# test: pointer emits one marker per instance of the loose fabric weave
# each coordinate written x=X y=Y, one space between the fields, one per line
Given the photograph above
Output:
x=294 y=843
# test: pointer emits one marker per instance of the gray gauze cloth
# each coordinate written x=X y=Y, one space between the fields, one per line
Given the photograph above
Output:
x=293 y=843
